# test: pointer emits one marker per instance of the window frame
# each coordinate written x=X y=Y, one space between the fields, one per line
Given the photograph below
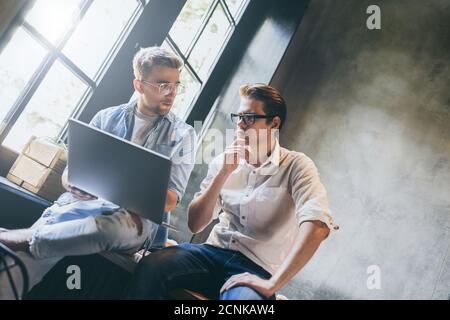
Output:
x=54 y=52
x=85 y=101
x=233 y=21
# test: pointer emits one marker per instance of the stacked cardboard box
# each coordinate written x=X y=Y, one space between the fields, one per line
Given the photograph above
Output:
x=39 y=168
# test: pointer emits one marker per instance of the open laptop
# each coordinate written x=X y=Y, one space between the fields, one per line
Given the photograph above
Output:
x=118 y=171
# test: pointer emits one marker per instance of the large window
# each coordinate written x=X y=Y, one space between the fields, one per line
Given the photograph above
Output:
x=198 y=37
x=57 y=55
x=55 y=60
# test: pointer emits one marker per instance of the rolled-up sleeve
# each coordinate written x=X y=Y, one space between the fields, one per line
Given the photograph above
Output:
x=183 y=161
x=309 y=195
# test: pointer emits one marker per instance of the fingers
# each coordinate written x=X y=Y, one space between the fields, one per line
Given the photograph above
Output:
x=239 y=279
x=81 y=194
x=238 y=149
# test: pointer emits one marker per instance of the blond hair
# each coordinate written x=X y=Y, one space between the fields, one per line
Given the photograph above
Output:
x=147 y=58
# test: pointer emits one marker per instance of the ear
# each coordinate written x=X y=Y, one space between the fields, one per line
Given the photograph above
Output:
x=276 y=122
x=138 y=86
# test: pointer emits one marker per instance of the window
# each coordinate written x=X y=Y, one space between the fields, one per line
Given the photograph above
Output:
x=54 y=61
x=198 y=37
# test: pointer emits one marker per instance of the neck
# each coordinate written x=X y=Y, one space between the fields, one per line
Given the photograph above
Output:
x=142 y=108
x=264 y=152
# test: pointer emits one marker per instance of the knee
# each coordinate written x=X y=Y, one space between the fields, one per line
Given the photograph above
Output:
x=159 y=260
x=150 y=279
x=119 y=232
x=241 y=293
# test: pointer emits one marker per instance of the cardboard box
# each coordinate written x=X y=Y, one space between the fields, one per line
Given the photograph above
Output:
x=39 y=167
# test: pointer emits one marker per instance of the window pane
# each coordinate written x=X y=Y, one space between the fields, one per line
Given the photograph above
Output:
x=52 y=18
x=188 y=22
x=96 y=34
x=17 y=65
x=208 y=46
x=235 y=6
x=183 y=101
x=191 y=86
x=49 y=108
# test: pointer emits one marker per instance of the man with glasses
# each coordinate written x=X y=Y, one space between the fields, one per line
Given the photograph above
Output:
x=274 y=215
x=79 y=224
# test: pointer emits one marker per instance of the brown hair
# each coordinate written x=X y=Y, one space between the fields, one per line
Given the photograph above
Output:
x=274 y=103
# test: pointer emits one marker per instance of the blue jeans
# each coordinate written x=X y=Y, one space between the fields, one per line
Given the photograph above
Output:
x=198 y=267
x=87 y=227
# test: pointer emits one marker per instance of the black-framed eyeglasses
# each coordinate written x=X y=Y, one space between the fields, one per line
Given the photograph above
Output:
x=249 y=118
x=166 y=88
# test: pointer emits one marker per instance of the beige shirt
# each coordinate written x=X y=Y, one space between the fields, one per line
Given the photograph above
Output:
x=262 y=208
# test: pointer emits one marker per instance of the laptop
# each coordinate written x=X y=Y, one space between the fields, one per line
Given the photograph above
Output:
x=118 y=171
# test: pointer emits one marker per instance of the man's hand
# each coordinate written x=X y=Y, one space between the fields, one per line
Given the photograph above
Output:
x=80 y=194
x=264 y=287
x=75 y=191
x=232 y=154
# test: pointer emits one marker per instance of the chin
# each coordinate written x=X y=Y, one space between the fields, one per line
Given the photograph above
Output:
x=163 y=110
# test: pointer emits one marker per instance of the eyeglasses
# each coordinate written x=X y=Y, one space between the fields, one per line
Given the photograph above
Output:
x=166 y=88
x=249 y=118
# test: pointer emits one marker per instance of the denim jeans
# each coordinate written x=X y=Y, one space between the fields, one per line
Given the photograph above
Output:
x=87 y=227
x=198 y=267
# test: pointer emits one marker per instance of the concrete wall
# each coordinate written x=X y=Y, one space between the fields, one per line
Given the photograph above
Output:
x=372 y=109
x=8 y=10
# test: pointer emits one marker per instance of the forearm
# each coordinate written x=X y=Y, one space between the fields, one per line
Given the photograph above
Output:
x=201 y=209
x=171 y=201
x=311 y=234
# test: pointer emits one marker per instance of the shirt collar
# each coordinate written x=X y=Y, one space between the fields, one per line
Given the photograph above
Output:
x=271 y=165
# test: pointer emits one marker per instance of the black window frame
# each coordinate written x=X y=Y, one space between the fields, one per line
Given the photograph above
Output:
x=185 y=56
x=54 y=53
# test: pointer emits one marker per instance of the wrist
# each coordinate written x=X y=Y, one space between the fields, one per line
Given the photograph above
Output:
x=273 y=286
x=224 y=173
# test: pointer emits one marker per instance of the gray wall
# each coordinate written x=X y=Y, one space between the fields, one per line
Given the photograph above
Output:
x=8 y=10
x=372 y=109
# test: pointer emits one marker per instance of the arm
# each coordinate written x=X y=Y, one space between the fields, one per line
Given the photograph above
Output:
x=315 y=224
x=311 y=234
x=201 y=209
x=200 y=212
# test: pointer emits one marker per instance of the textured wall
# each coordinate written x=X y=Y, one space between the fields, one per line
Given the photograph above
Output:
x=8 y=10
x=372 y=109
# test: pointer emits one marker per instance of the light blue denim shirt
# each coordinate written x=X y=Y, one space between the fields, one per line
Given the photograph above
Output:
x=170 y=136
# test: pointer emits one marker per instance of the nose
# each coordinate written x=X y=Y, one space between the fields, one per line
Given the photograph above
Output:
x=241 y=124
x=172 y=93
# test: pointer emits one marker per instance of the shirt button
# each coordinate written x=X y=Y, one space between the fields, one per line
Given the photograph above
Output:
x=233 y=241
x=243 y=217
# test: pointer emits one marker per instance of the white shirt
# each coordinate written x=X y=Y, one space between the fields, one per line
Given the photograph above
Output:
x=263 y=207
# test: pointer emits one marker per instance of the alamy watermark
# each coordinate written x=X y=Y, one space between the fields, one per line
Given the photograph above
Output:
x=374 y=20
x=73 y=281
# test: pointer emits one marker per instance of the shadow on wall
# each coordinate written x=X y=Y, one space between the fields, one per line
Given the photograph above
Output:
x=372 y=108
